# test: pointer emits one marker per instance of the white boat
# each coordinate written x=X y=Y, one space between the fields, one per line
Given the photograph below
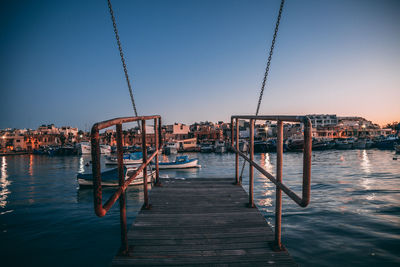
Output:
x=110 y=177
x=129 y=159
x=86 y=148
x=181 y=162
x=170 y=148
x=219 y=147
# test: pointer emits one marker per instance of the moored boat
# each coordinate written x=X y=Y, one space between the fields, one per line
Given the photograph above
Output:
x=343 y=143
x=181 y=162
x=219 y=147
x=86 y=148
x=110 y=177
x=206 y=148
x=129 y=159
x=388 y=142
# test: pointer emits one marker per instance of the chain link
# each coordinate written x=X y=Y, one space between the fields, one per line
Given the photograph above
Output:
x=271 y=51
x=122 y=56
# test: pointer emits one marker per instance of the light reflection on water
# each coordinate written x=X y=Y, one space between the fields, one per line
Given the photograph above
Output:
x=353 y=217
x=4 y=183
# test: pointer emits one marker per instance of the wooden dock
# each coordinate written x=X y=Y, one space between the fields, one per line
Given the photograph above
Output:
x=201 y=221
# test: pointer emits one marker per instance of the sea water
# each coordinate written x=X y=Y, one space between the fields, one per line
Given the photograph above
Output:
x=353 y=217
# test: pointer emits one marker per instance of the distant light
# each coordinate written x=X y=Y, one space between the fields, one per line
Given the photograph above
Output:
x=363 y=126
x=266 y=128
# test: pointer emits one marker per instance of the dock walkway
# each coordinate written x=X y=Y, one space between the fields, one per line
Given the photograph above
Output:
x=201 y=221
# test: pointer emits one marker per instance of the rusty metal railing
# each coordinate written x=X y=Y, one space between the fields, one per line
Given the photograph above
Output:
x=305 y=199
x=101 y=209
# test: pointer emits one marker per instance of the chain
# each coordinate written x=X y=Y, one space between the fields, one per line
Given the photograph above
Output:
x=122 y=56
x=271 y=51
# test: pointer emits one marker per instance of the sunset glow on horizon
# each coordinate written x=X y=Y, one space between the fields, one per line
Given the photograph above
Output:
x=197 y=60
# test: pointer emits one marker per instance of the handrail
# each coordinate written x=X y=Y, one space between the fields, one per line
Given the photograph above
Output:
x=307 y=153
x=100 y=209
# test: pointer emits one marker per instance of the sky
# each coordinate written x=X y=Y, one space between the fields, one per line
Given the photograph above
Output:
x=197 y=60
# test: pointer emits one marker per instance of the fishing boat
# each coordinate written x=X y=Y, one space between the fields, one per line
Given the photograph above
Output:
x=110 y=177
x=170 y=148
x=86 y=148
x=129 y=159
x=181 y=162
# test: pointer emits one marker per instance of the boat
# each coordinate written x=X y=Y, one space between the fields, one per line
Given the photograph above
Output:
x=181 y=162
x=110 y=177
x=343 y=143
x=387 y=142
x=206 y=147
x=86 y=148
x=319 y=144
x=170 y=148
x=360 y=143
x=219 y=147
x=129 y=159
x=260 y=146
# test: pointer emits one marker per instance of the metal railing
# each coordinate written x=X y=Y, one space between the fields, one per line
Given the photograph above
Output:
x=305 y=199
x=101 y=209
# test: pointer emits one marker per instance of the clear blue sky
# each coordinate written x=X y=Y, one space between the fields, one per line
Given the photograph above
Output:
x=197 y=60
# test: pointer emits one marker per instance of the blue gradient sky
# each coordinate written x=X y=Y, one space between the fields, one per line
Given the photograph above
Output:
x=197 y=60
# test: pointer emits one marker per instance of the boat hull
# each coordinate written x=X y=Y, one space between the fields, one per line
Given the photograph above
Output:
x=173 y=165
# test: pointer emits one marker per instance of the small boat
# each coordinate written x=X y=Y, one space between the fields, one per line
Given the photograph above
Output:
x=206 y=148
x=219 y=147
x=129 y=159
x=181 y=162
x=387 y=142
x=86 y=148
x=360 y=143
x=343 y=143
x=110 y=177
x=170 y=148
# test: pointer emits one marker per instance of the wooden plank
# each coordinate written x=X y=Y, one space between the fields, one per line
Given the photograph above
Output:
x=201 y=221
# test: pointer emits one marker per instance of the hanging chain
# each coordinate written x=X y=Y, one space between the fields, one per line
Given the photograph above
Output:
x=122 y=56
x=271 y=51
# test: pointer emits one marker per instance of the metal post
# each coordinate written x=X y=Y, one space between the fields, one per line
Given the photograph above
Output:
x=278 y=202
x=307 y=160
x=156 y=135
x=237 y=154
x=97 y=193
x=251 y=168
x=144 y=151
x=122 y=198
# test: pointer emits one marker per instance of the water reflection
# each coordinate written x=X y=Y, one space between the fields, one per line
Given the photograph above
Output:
x=81 y=165
x=365 y=164
x=266 y=162
x=30 y=165
x=4 y=183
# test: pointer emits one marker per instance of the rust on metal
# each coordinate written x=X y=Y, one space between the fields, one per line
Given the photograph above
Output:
x=237 y=155
x=101 y=209
x=144 y=152
x=251 y=168
x=278 y=201
x=307 y=154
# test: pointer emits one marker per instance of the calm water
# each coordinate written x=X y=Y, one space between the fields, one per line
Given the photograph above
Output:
x=353 y=217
